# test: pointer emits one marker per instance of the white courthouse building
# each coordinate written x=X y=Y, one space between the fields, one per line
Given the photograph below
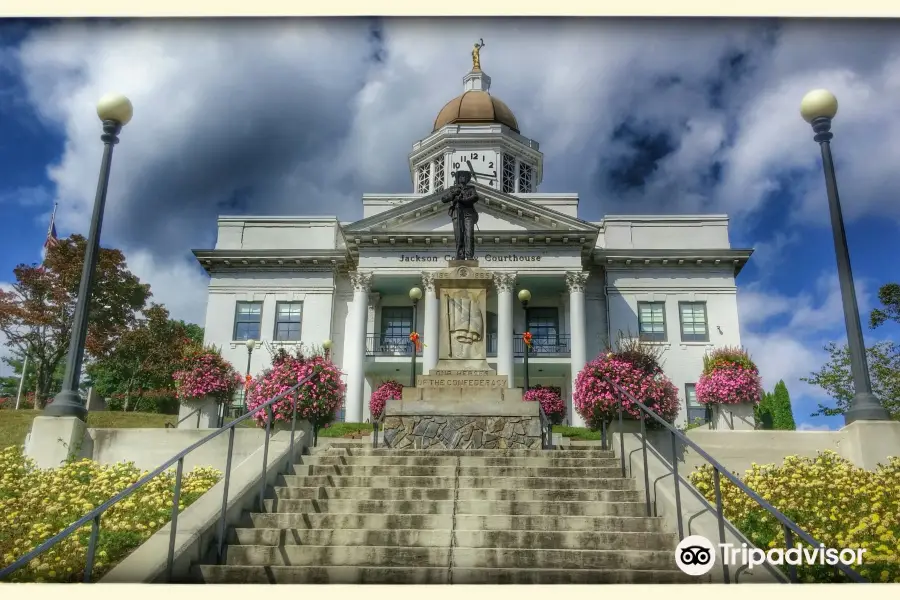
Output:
x=293 y=279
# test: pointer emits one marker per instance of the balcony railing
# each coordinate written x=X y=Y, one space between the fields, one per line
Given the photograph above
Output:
x=389 y=345
x=541 y=346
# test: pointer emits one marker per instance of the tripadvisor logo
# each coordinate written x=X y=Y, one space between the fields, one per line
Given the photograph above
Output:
x=696 y=555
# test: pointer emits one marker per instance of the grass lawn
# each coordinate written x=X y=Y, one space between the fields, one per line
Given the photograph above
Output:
x=15 y=424
x=340 y=429
x=577 y=433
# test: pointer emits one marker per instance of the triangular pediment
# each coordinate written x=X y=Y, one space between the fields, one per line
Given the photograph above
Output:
x=497 y=212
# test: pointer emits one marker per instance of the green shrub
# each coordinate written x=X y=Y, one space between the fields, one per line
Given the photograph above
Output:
x=838 y=504
x=162 y=402
x=36 y=504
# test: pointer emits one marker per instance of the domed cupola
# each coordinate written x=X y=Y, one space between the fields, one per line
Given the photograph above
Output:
x=483 y=136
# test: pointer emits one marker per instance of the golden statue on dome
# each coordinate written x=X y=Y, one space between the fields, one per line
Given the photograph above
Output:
x=476 y=55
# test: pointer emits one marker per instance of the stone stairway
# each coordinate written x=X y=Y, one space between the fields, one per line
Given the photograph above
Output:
x=352 y=514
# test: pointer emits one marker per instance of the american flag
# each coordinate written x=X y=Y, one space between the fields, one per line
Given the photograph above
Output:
x=51 y=232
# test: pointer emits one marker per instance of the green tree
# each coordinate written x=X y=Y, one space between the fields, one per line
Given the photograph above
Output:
x=763 y=412
x=883 y=359
x=194 y=332
x=36 y=314
x=145 y=356
x=9 y=386
x=835 y=378
x=782 y=413
x=889 y=296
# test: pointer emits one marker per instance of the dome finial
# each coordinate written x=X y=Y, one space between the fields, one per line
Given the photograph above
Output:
x=476 y=55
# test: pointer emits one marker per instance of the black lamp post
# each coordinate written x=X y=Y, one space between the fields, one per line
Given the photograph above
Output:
x=524 y=298
x=415 y=294
x=818 y=108
x=251 y=344
x=115 y=111
x=326 y=345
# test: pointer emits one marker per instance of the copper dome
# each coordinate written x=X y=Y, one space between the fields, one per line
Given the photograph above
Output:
x=476 y=106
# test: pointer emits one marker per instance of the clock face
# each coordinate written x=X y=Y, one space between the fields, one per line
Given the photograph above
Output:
x=483 y=165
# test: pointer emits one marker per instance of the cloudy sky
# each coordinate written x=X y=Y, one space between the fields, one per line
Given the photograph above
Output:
x=301 y=117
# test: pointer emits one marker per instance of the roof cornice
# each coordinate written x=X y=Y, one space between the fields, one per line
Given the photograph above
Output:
x=271 y=260
x=634 y=258
x=275 y=219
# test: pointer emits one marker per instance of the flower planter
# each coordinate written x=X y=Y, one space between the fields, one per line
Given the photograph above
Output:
x=732 y=417
x=550 y=400
x=205 y=378
x=319 y=397
x=596 y=399
x=731 y=387
x=206 y=418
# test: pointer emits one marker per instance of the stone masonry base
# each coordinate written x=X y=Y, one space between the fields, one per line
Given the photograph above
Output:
x=462 y=432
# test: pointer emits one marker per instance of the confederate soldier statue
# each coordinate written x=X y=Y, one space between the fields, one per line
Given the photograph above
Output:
x=462 y=198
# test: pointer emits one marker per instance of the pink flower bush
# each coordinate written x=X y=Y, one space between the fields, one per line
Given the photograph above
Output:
x=729 y=377
x=389 y=390
x=596 y=400
x=317 y=400
x=206 y=374
x=551 y=401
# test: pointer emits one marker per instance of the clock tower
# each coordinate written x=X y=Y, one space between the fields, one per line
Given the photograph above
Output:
x=476 y=132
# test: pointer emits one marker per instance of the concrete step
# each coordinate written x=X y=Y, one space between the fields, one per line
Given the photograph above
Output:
x=509 y=483
x=462 y=507
x=424 y=575
x=490 y=494
x=465 y=461
x=576 y=453
x=445 y=521
x=558 y=523
x=574 y=540
x=402 y=556
x=326 y=442
x=452 y=471
x=347 y=521
x=341 y=537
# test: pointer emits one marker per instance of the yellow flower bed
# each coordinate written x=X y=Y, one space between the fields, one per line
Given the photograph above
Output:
x=36 y=504
x=835 y=502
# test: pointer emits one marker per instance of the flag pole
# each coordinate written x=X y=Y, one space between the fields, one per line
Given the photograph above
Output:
x=51 y=230
x=22 y=382
x=50 y=239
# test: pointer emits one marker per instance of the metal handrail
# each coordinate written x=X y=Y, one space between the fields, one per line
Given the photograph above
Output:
x=376 y=425
x=546 y=428
x=94 y=515
x=196 y=411
x=790 y=528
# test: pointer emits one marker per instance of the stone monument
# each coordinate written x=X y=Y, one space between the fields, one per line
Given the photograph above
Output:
x=462 y=402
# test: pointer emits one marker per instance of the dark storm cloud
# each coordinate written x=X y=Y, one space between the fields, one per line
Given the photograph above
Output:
x=302 y=117
x=640 y=157
x=241 y=117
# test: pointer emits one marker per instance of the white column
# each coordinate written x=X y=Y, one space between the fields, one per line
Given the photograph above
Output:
x=431 y=333
x=505 y=284
x=575 y=282
x=355 y=354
